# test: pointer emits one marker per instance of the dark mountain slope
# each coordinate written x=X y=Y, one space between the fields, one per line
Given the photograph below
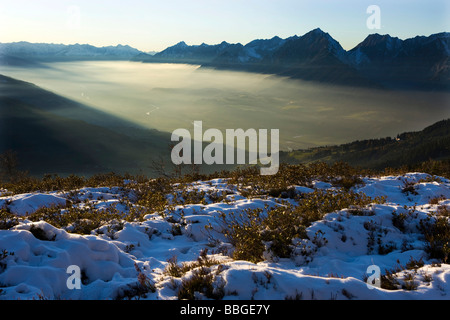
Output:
x=314 y=56
x=52 y=134
x=432 y=143
x=420 y=62
x=182 y=53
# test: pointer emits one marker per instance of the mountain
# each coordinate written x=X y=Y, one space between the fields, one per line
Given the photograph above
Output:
x=252 y=53
x=314 y=56
x=20 y=53
x=52 y=134
x=420 y=61
x=410 y=148
x=183 y=53
x=379 y=61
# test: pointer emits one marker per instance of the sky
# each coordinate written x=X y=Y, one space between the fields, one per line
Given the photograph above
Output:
x=151 y=25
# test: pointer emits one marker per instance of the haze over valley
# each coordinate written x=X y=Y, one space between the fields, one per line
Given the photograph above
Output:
x=170 y=96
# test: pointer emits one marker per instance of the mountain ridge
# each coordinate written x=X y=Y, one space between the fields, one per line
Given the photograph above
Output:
x=48 y=52
x=381 y=61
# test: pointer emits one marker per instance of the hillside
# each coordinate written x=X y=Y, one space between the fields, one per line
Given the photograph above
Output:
x=432 y=143
x=421 y=60
x=52 y=134
x=295 y=236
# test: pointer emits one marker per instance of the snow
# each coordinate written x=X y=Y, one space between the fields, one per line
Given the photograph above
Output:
x=30 y=202
x=356 y=58
x=331 y=269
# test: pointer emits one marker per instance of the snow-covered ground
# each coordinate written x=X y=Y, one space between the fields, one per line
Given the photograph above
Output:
x=115 y=262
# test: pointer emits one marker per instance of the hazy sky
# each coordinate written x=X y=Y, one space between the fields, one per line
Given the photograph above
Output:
x=154 y=25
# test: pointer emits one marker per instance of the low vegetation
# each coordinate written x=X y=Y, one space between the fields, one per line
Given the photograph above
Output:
x=198 y=277
x=252 y=232
x=255 y=235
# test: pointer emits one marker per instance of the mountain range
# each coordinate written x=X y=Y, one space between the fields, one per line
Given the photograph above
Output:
x=25 y=53
x=379 y=61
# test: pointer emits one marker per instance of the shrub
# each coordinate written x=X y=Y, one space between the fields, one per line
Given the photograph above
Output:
x=7 y=220
x=409 y=187
x=140 y=289
x=146 y=285
x=436 y=231
x=436 y=200
x=56 y=183
x=3 y=255
x=152 y=194
x=202 y=277
x=77 y=220
x=175 y=270
x=250 y=230
x=242 y=229
x=443 y=211
x=409 y=282
x=347 y=182
x=389 y=280
x=398 y=220
x=200 y=281
x=40 y=234
x=414 y=264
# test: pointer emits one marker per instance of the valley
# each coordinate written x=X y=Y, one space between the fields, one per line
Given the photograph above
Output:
x=113 y=108
x=166 y=97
